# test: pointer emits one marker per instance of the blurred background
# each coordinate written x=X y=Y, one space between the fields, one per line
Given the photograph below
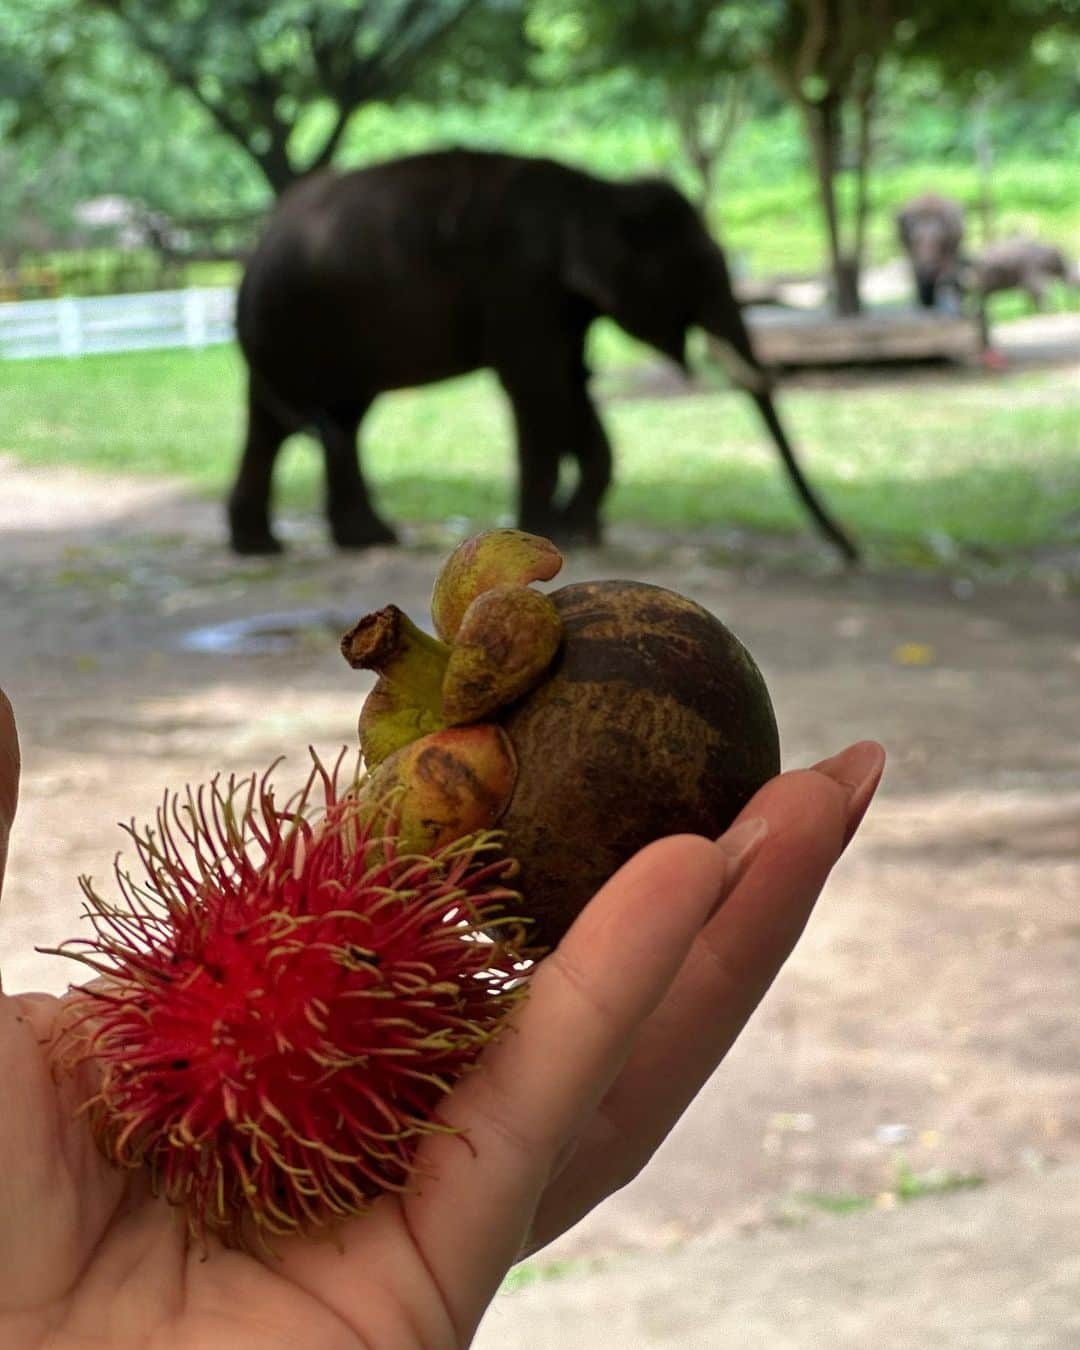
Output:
x=891 y=1156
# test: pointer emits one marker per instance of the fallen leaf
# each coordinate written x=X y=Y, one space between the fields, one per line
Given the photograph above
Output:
x=913 y=654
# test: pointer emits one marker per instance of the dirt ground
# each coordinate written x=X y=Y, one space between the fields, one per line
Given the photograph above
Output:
x=928 y=1019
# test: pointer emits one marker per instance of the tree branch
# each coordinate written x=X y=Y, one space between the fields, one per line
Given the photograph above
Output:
x=864 y=105
x=181 y=75
x=815 y=35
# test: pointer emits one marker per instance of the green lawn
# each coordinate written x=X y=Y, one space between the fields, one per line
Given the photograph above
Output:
x=913 y=467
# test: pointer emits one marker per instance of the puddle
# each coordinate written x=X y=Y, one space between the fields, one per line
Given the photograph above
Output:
x=261 y=634
x=268 y=634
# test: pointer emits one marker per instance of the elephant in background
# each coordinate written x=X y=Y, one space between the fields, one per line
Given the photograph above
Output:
x=931 y=233
x=1018 y=264
x=1013 y=264
x=419 y=269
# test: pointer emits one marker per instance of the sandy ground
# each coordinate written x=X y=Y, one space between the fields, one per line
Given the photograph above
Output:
x=946 y=1276
x=927 y=1024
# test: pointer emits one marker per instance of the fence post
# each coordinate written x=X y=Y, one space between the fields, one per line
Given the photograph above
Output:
x=69 y=326
x=196 y=328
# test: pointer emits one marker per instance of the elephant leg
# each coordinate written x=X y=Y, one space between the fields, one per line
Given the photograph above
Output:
x=581 y=515
x=554 y=416
x=541 y=443
x=249 y=501
x=354 y=522
x=982 y=318
x=1035 y=286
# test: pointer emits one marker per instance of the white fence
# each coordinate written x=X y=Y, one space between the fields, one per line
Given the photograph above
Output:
x=116 y=323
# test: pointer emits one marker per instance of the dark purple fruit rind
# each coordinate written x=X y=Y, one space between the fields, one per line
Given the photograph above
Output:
x=653 y=720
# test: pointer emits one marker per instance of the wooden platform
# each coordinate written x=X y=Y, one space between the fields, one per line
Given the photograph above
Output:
x=791 y=337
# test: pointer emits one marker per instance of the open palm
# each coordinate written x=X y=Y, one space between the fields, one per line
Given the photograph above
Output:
x=623 y=1024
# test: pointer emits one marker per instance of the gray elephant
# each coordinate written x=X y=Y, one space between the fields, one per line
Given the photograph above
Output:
x=931 y=232
x=424 y=268
x=1018 y=264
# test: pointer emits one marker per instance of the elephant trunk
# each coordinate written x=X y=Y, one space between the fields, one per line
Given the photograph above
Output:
x=829 y=528
x=725 y=325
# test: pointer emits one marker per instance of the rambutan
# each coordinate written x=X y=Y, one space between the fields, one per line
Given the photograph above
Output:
x=285 y=998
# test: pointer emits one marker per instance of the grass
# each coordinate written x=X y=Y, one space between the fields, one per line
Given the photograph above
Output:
x=907 y=1185
x=540 y=1272
x=969 y=461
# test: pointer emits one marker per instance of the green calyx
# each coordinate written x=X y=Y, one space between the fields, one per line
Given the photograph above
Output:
x=497 y=558
x=406 y=702
x=497 y=637
x=507 y=639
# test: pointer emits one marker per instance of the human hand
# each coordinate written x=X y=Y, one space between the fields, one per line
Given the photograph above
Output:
x=555 y=1114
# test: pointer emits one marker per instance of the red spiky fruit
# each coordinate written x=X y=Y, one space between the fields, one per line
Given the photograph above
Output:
x=284 y=1003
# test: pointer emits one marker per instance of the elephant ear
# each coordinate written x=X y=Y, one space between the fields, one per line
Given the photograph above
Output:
x=590 y=268
x=622 y=238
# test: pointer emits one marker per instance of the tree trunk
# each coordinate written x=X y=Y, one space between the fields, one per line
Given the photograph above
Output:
x=984 y=159
x=847 y=300
x=851 y=302
x=864 y=110
x=685 y=104
x=705 y=150
x=822 y=124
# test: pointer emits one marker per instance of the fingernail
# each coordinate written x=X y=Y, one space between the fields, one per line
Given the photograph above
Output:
x=740 y=845
x=858 y=770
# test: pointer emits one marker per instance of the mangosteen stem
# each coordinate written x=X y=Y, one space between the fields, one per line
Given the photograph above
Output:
x=406 y=702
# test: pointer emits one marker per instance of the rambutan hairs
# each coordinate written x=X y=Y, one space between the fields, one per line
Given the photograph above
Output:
x=283 y=999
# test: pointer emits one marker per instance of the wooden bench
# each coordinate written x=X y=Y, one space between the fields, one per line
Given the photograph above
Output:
x=815 y=338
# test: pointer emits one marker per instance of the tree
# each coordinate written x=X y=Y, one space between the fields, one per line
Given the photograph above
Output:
x=827 y=57
x=283 y=77
x=986 y=53
x=83 y=114
x=700 y=51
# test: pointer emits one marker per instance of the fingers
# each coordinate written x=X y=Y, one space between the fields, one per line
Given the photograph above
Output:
x=811 y=816
x=9 y=777
x=535 y=1086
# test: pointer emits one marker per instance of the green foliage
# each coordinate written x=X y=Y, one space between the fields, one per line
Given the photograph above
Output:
x=1028 y=41
x=682 y=40
x=832 y=59
x=84 y=111
x=83 y=114
x=273 y=75
x=279 y=79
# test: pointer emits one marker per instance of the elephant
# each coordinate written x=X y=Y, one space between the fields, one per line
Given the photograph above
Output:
x=1013 y=264
x=931 y=233
x=1018 y=264
x=426 y=267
